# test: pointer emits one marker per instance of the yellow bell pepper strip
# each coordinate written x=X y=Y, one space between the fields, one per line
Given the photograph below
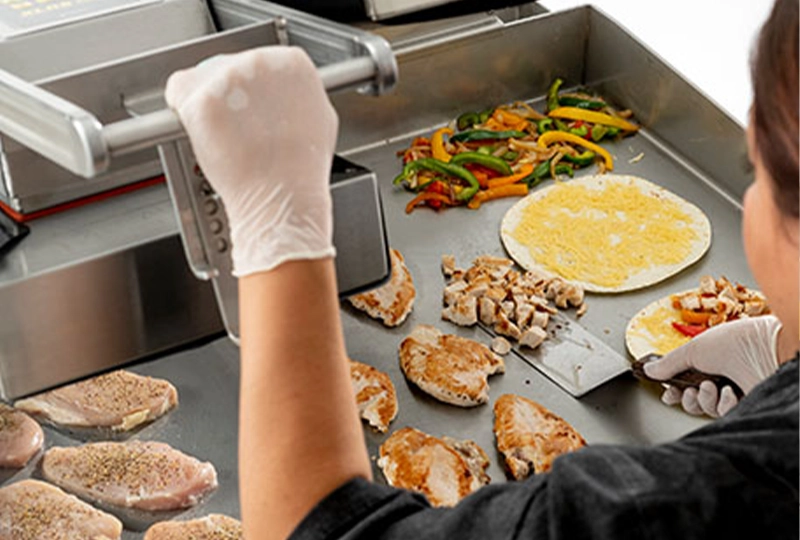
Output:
x=437 y=144
x=427 y=196
x=514 y=190
x=524 y=171
x=574 y=113
x=546 y=139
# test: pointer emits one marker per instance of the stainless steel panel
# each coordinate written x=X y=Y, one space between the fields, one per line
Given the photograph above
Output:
x=83 y=34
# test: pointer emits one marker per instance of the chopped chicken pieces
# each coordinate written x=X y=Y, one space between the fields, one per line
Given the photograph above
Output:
x=533 y=337
x=501 y=346
x=716 y=302
x=513 y=304
x=448 y=265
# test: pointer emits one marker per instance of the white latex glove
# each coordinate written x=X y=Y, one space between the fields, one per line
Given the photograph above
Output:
x=263 y=131
x=744 y=350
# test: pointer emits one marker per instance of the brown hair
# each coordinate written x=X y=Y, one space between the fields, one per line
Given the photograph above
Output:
x=775 y=106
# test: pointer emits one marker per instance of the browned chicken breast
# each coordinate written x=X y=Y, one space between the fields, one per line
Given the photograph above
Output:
x=530 y=437
x=445 y=471
x=133 y=474
x=211 y=527
x=20 y=437
x=452 y=369
x=120 y=400
x=375 y=395
x=33 y=510
x=394 y=301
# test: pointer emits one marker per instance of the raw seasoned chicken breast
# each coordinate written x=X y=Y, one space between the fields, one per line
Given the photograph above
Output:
x=444 y=470
x=530 y=437
x=375 y=395
x=20 y=437
x=452 y=369
x=120 y=400
x=133 y=474
x=34 y=510
x=394 y=301
x=211 y=527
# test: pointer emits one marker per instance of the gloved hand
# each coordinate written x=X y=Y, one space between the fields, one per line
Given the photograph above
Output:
x=744 y=350
x=263 y=131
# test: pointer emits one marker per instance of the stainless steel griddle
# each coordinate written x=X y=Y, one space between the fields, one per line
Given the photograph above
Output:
x=690 y=147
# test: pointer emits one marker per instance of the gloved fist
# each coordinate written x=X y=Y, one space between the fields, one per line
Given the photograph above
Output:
x=744 y=350
x=263 y=131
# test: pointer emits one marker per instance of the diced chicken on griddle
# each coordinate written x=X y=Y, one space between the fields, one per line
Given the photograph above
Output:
x=503 y=299
x=391 y=303
x=450 y=368
x=530 y=437
x=533 y=337
x=120 y=400
x=210 y=527
x=445 y=471
x=133 y=474
x=375 y=395
x=34 y=510
x=20 y=437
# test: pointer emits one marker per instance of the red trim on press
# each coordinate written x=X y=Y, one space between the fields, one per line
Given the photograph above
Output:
x=23 y=218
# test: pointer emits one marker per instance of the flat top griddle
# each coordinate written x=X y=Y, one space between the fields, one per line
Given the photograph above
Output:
x=686 y=149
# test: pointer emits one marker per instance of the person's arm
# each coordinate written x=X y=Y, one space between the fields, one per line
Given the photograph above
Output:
x=300 y=436
x=263 y=131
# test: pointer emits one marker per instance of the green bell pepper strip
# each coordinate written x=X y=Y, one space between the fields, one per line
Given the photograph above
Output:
x=580 y=103
x=486 y=150
x=484 y=115
x=542 y=171
x=486 y=135
x=581 y=160
x=563 y=168
x=546 y=124
x=613 y=131
x=510 y=155
x=489 y=161
x=552 y=95
x=449 y=169
x=467 y=120
x=598 y=132
x=560 y=126
x=582 y=131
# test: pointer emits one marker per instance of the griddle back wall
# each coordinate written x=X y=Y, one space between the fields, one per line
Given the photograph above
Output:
x=519 y=61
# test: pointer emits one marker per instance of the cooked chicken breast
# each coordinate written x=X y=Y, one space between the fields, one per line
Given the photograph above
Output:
x=452 y=369
x=445 y=474
x=375 y=395
x=211 y=527
x=394 y=301
x=133 y=474
x=20 y=437
x=530 y=437
x=120 y=400
x=33 y=510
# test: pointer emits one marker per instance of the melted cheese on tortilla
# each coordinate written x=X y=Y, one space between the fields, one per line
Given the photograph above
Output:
x=656 y=328
x=604 y=236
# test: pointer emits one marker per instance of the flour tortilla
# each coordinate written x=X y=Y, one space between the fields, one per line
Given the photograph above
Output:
x=639 y=340
x=699 y=222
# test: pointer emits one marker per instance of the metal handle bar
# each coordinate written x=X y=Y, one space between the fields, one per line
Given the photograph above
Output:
x=75 y=139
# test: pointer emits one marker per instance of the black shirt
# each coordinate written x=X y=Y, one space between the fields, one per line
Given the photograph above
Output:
x=735 y=478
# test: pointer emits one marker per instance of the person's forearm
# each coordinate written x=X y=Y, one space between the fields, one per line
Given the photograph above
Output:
x=299 y=433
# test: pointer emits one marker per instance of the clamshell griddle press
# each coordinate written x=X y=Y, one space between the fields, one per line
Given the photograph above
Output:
x=103 y=122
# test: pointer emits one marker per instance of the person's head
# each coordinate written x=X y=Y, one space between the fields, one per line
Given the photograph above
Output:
x=771 y=222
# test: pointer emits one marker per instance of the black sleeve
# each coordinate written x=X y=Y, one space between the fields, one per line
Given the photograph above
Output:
x=735 y=478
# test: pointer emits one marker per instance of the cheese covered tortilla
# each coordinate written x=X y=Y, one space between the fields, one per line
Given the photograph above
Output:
x=651 y=331
x=608 y=234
